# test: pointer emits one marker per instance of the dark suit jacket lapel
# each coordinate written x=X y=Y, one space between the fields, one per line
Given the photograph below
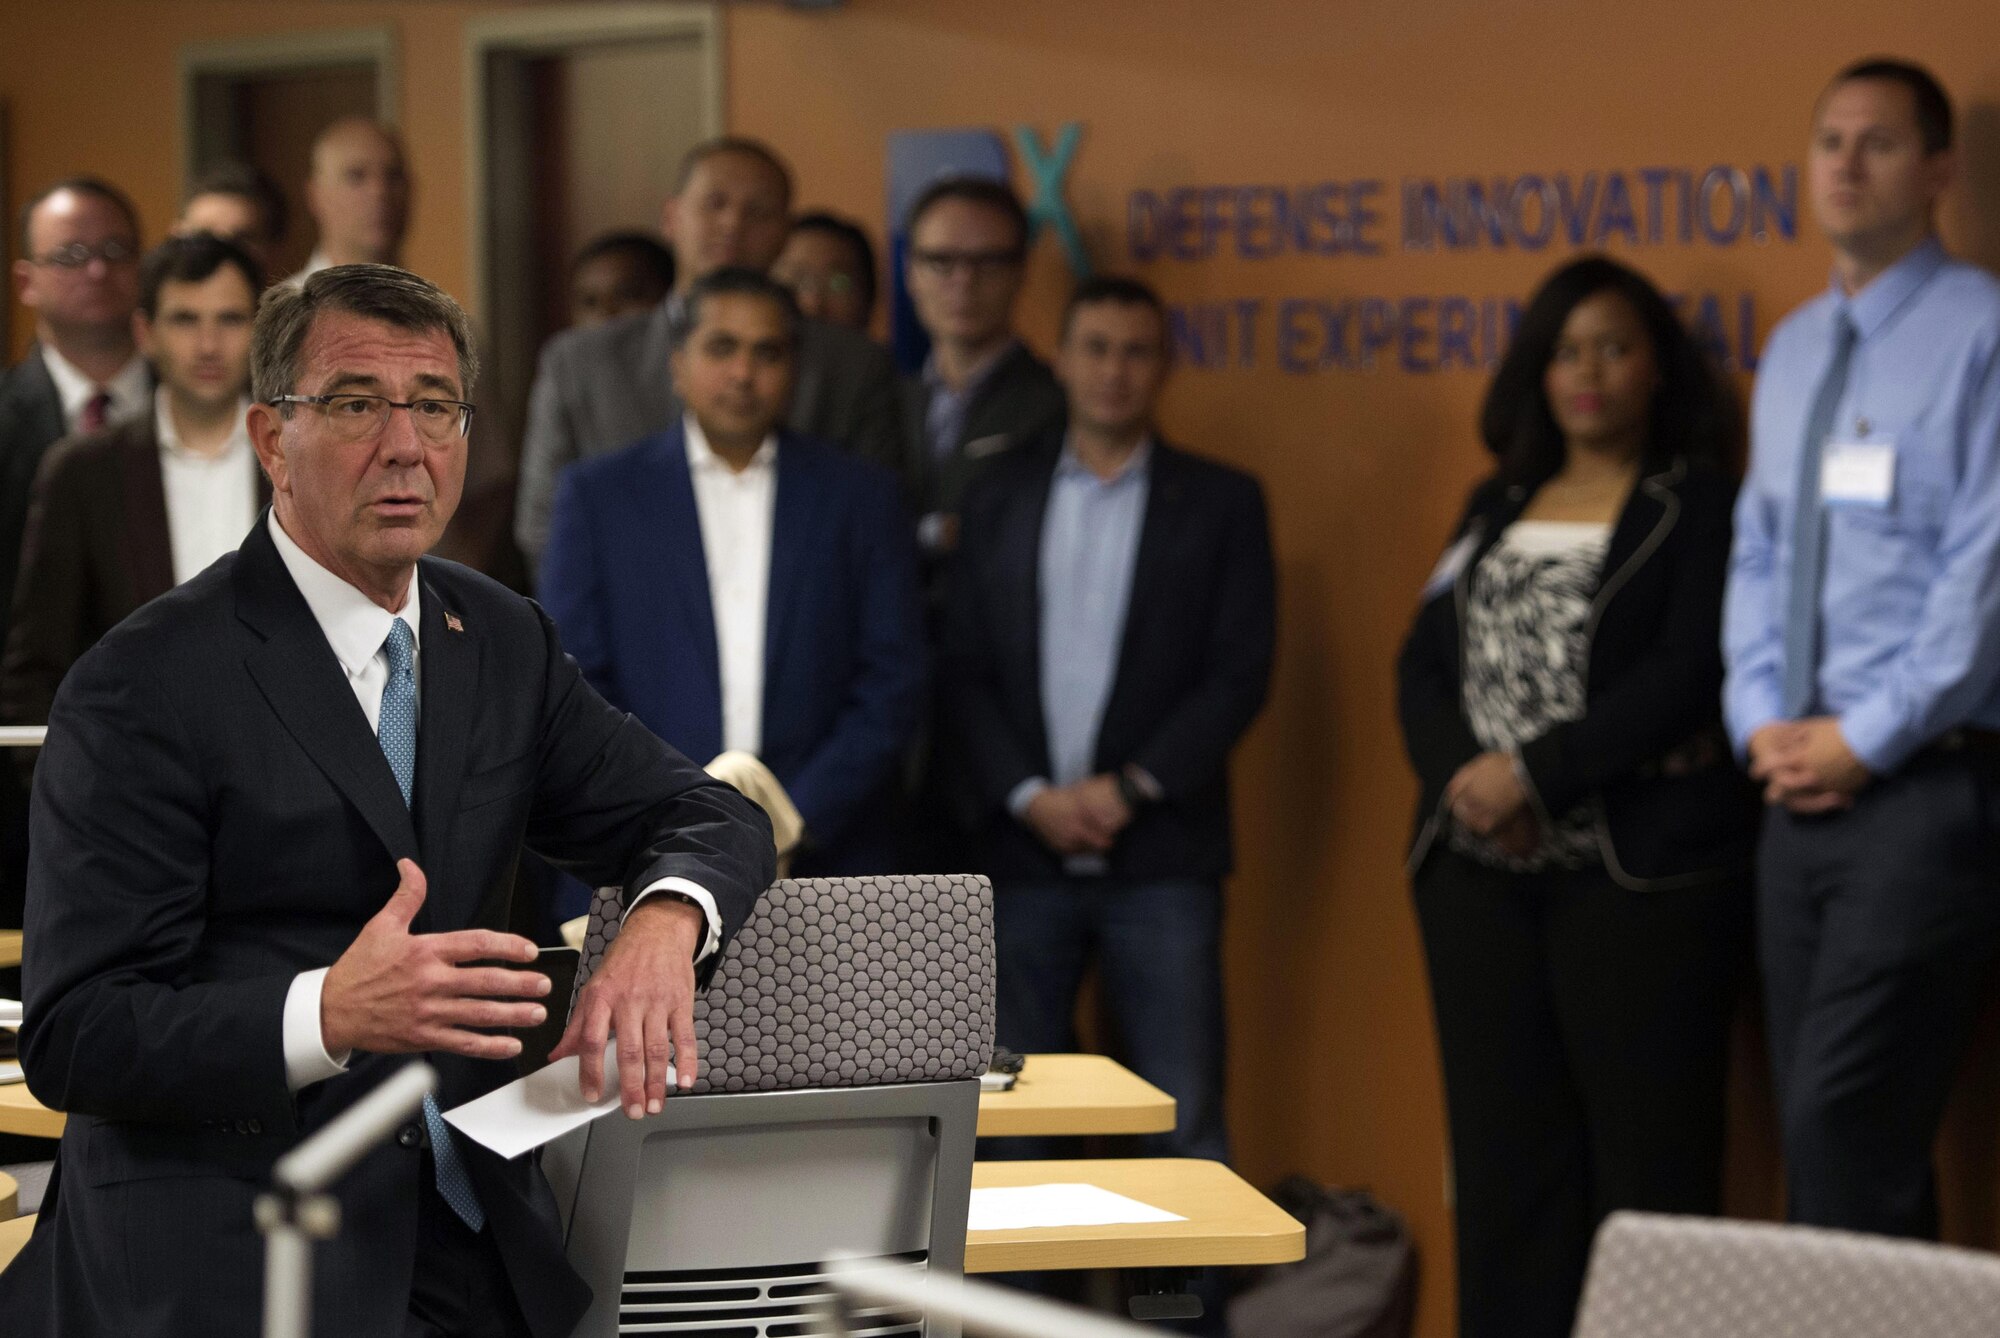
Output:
x=296 y=670
x=1166 y=505
x=448 y=656
x=149 y=551
x=1023 y=594
x=683 y=563
x=795 y=515
x=35 y=398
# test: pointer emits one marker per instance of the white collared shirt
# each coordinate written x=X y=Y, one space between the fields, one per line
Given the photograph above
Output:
x=211 y=499
x=357 y=629
x=315 y=262
x=735 y=511
x=127 y=390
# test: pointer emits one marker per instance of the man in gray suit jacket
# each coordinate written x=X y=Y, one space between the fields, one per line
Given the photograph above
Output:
x=606 y=387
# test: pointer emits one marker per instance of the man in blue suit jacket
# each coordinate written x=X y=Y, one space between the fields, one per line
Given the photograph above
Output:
x=741 y=588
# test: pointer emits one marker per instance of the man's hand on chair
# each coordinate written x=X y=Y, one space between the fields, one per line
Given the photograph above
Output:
x=643 y=993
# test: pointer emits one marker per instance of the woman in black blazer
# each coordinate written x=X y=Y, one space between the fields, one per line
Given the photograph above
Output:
x=1583 y=840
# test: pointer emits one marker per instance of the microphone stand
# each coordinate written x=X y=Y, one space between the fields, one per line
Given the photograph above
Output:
x=297 y=1210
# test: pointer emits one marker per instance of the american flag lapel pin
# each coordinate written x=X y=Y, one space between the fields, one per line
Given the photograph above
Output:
x=451 y=621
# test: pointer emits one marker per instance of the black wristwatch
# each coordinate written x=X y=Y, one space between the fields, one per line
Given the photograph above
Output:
x=1128 y=790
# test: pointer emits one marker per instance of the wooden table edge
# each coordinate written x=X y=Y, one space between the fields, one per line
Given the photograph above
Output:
x=31 y=1119
x=1070 y=1121
x=986 y=1255
x=14 y=1237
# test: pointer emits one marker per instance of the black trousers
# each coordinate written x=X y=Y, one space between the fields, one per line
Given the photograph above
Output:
x=1584 y=1033
x=1877 y=930
x=460 y=1287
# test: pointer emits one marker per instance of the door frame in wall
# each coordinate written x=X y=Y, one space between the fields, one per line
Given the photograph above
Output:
x=276 y=53
x=553 y=31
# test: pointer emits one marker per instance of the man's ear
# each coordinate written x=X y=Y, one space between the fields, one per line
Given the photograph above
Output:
x=266 y=425
x=677 y=372
x=142 y=334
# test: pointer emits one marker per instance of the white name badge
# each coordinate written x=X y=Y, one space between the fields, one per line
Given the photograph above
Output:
x=1858 y=473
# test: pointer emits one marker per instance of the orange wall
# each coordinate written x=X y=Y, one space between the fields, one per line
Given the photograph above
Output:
x=1333 y=1067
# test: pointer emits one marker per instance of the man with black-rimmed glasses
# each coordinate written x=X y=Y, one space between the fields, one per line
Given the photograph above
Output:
x=982 y=390
x=78 y=271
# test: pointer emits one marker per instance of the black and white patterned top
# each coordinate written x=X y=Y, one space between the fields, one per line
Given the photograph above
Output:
x=1527 y=645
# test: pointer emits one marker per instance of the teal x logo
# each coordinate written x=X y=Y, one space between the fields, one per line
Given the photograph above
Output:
x=1049 y=208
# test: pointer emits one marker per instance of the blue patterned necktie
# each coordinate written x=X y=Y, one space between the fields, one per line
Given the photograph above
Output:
x=1809 y=532
x=397 y=732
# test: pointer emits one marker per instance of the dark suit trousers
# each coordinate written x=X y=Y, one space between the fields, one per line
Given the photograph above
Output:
x=1584 y=1034
x=1158 y=948
x=1877 y=930
x=460 y=1287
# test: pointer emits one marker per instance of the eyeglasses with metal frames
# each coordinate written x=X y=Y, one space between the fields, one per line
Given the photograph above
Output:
x=358 y=416
x=76 y=255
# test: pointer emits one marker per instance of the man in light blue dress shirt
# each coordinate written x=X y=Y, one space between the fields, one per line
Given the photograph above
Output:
x=1862 y=634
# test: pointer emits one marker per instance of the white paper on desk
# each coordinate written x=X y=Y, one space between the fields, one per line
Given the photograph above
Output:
x=1022 y=1207
x=530 y=1111
x=10 y=1013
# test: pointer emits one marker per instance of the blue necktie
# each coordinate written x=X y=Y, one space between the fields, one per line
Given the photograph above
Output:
x=397 y=732
x=1809 y=532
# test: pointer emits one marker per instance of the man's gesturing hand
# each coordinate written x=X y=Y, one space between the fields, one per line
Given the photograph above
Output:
x=642 y=992
x=394 y=992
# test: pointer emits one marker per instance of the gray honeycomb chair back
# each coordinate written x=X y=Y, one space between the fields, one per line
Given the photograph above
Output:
x=1688 y=1277
x=842 y=1040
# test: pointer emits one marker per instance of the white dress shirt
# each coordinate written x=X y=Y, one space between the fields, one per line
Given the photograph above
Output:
x=315 y=262
x=735 y=511
x=211 y=499
x=127 y=390
x=356 y=628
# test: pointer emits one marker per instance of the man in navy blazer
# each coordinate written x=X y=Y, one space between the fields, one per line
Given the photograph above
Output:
x=742 y=588
x=1109 y=630
x=275 y=830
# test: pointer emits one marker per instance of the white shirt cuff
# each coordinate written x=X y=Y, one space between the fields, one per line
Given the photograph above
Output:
x=306 y=1059
x=700 y=896
x=1024 y=794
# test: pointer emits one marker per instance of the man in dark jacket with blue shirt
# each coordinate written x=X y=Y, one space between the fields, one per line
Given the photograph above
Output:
x=1109 y=637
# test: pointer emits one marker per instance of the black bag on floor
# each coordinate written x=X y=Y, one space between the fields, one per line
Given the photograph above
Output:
x=1358 y=1279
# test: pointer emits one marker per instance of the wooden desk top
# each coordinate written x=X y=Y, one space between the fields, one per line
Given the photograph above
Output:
x=13 y=1235
x=10 y=1197
x=10 y=947
x=21 y=1114
x=1075 y=1094
x=1228 y=1222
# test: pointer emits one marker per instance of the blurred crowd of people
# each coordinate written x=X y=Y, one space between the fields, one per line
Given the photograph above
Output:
x=988 y=616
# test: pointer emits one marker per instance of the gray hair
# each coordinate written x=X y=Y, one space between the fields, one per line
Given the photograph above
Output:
x=731 y=281
x=374 y=292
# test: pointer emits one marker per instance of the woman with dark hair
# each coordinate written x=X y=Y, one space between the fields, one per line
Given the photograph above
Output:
x=1581 y=859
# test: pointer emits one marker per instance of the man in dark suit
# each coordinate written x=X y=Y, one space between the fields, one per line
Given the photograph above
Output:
x=78 y=272
x=740 y=587
x=122 y=515
x=1108 y=639
x=599 y=389
x=981 y=391
x=274 y=833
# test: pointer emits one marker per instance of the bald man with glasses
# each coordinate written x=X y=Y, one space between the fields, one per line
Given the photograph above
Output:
x=79 y=274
